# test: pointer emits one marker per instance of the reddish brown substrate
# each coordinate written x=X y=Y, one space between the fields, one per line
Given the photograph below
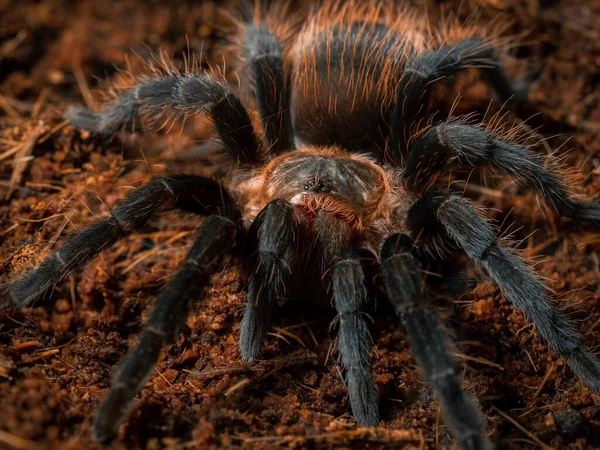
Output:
x=56 y=359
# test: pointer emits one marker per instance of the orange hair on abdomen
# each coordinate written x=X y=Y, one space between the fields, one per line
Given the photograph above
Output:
x=346 y=63
x=375 y=37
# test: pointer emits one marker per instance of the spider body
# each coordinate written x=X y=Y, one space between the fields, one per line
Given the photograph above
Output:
x=341 y=100
x=329 y=185
x=333 y=190
x=339 y=200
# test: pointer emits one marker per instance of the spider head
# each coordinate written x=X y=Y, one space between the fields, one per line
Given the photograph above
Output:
x=327 y=182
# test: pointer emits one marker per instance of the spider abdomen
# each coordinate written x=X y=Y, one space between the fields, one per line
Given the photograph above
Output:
x=342 y=85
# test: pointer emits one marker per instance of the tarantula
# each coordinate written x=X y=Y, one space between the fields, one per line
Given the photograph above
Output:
x=332 y=189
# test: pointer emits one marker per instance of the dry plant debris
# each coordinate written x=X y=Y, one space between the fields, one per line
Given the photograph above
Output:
x=56 y=359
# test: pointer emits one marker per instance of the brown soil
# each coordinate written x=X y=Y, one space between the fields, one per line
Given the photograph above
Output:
x=56 y=359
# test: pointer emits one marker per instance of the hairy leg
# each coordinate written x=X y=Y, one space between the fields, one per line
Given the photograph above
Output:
x=354 y=339
x=275 y=228
x=263 y=50
x=456 y=217
x=413 y=93
x=402 y=275
x=190 y=193
x=216 y=237
x=187 y=94
x=453 y=144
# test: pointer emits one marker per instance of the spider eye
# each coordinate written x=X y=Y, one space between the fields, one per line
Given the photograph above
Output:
x=320 y=186
x=323 y=187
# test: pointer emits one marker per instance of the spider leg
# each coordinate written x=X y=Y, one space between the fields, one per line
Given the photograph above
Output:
x=354 y=339
x=187 y=94
x=459 y=144
x=456 y=217
x=401 y=273
x=216 y=237
x=263 y=50
x=275 y=228
x=190 y=193
x=412 y=93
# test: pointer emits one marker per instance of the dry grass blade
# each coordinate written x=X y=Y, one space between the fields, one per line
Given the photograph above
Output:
x=295 y=359
x=478 y=360
x=546 y=377
x=21 y=160
x=11 y=151
x=237 y=386
x=16 y=442
x=57 y=53
x=373 y=435
x=528 y=433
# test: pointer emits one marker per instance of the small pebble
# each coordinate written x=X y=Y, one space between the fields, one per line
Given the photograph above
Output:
x=62 y=306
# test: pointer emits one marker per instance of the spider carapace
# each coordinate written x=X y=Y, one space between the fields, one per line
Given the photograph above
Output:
x=334 y=186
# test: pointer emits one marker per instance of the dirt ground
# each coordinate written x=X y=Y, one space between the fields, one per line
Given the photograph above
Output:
x=56 y=359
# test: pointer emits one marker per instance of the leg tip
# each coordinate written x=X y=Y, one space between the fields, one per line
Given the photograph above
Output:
x=588 y=213
x=23 y=293
x=101 y=432
x=252 y=336
x=84 y=119
x=368 y=420
x=586 y=366
x=476 y=442
x=363 y=397
x=78 y=116
x=250 y=354
x=111 y=413
x=6 y=300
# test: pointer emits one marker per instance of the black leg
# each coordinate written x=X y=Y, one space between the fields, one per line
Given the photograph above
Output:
x=458 y=219
x=354 y=339
x=413 y=94
x=264 y=52
x=187 y=94
x=401 y=273
x=450 y=144
x=216 y=237
x=190 y=193
x=275 y=229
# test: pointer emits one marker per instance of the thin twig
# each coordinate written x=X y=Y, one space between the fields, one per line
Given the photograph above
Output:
x=528 y=433
x=21 y=160
x=478 y=360
x=16 y=442
x=541 y=386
